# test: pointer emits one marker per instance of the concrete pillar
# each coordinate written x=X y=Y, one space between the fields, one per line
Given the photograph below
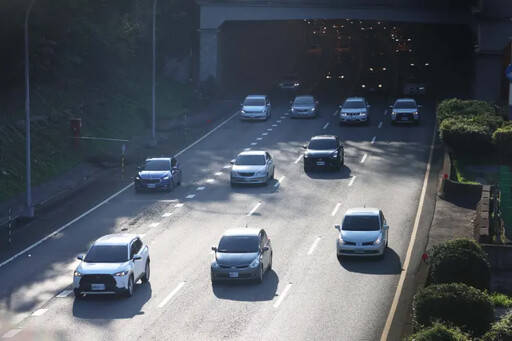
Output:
x=488 y=76
x=208 y=50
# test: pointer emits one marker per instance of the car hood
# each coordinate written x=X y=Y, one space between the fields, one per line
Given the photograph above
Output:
x=250 y=169
x=316 y=152
x=102 y=268
x=360 y=236
x=405 y=111
x=253 y=107
x=353 y=111
x=233 y=259
x=153 y=174
x=302 y=107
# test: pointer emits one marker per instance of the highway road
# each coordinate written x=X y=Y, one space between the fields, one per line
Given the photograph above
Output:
x=308 y=295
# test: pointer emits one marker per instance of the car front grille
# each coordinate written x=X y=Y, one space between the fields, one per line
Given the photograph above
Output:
x=245 y=174
x=108 y=280
x=348 y=243
x=150 y=181
x=367 y=243
x=352 y=113
x=234 y=266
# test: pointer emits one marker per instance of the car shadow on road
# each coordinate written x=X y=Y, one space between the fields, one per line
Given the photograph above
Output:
x=389 y=265
x=248 y=291
x=99 y=307
x=256 y=188
x=328 y=174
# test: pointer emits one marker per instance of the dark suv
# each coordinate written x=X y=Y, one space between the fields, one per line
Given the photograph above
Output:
x=324 y=151
x=161 y=173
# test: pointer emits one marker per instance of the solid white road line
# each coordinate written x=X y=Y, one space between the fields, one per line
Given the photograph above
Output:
x=336 y=208
x=190 y=196
x=373 y=139
x=315 y=243
x=179 y=205
x=299 y=158
x=364 y=158
x=11 y=333
x=282 y=295
x=210 y=180
x=200 y=188
x=218 y=173
x=398 y=293
x=259 y=138
x=167 y=214
x=111 y=197
x=254 y=143
x=278 y=183
x=351 y=180
x=154 y=224
x=39 y=312
x=64 y=293
x=380 y=124
x=264 y=134
x=164 y=302
x=326 y=125
x=254 y=209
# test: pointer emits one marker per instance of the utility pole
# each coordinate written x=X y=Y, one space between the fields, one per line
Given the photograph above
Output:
x=29 y=209
x=153 y=141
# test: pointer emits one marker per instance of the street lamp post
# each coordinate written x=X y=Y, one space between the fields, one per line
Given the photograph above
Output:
x=29 y=209
x=153 y=96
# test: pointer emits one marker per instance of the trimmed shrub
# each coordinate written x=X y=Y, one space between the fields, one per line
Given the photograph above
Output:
x=452 y=108
x=463 y=306
x=502 y=138
x=459 y=261
x=501 y=330
x=440 y=332
x=463 y=134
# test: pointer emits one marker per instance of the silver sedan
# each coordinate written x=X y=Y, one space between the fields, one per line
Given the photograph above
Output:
x=252 y=167
x=304 y=106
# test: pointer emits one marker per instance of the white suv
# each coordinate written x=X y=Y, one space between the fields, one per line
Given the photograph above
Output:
x=112 y=266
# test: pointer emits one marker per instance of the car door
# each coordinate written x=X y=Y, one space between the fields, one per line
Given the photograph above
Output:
x=267 y=100
x=382 y=223
x=138 y=265
x=264 y=241
x=175 y=172
x=270 y=163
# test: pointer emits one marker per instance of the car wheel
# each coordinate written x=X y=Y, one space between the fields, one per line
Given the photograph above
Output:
x=147 y=271
x=343 y=160
x=306 y=168
x=129 y=290
x=338 y=256
x=260 y=275
x=272 y=176
x=171 y=186
x=270 y=264
x=266 y=181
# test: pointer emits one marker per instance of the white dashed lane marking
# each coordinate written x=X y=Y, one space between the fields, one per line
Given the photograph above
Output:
x=190 y=196
x=247 y=149
x=278 y=183
x=315 y=243
x=227 y=166
x=279 y=121
x=11 y=333
x=351 y=180
x=200 y=188
x=269 y=129
x=210 y=180
x=326 y=125
x=64 y=293
x=154 y=224
x=283 y=117
x=264 y=134
x=335 y=210
x=167 y=214
x=259 y=138
x=254 y=209
x=274 y=125
x=254 y=143
x=282 y=295
x=299 y=158
x=380 y=124
x=364 y=158
x=373 y=139
x=218 y=173
x=179 y=205
x=334 y=113
x=39 y=312
x=174 y=292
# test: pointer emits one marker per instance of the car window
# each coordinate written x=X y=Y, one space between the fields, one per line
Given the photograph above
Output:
x=322 y=144
x=238 y=244
x=254 y=101
x=157 y=165
x=304 y=100
x=264 y=238
x=137 y=245
x=174 y=162
x=250 y=160
x=107 y=254
x=354 y=104
x=268 y=156
x=382 y=219
x=405 y=105
x=360 y=223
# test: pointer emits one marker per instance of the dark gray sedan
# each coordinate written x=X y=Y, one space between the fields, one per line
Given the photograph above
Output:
x=304 y=106
x=242 y=254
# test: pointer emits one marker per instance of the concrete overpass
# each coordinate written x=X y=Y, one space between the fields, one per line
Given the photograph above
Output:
x=489 y=19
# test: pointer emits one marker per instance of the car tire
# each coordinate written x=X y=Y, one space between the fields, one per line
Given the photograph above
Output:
x=338 y=256
x=306 y=168
x=78 y=295
x=267 y=180
x=343 y=160
x=270 y=264
x=260 y=275
x=129 y=291
x=147 y=272
x=273 y=173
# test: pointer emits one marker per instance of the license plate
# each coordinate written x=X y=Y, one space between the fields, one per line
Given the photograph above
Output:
x=151 y=185
x=97 y=286
x=320 y=163
x=233 y=274
x=404 y=118
x=359 y=251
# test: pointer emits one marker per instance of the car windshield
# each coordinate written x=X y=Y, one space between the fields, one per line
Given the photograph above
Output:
x=304 y=100
x=360 y=223
x=254 y=101
x=405 y=105
x=354 y=105
x=157 y=165
x=238 y=244
x=250 y=160
x=322 y=144
x=107 y=254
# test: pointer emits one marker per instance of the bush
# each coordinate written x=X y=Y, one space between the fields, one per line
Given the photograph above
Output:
x=459 y=261
x=463 y=134
x=501 y=300
x=501 y=330
x=502 y=138
x=440 y=332
x=456 y=108
x=466 y=307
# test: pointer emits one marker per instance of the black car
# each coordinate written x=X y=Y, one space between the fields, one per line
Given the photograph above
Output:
x=324 y=151
x=161 y=173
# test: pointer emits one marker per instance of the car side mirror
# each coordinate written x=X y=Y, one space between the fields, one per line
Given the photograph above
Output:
x=233 y=161
x=337 y=227
x=139 y=168
x=214 y=248
x=341 y=107
x=368 y=106
x=137 y=257
x=305 y=146
x=391 y=106
x=265 y=248
x=80 y=256
x=385 y=227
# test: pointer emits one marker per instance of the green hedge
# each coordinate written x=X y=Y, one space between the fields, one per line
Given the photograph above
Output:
x=501 y=330
x=463 y=108
x=463 y=306
x=502 y=138
x=440 y=332
x=459 y=261
x=464 y=134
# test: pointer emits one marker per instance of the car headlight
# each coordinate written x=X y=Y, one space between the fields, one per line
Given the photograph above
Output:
x=242 y=111
x=292 y=109
x=362 y=113
x=121 y=273
x=137 y=177
x=306 y=155
x=393 y=113
x=415 y=113
x=260 y=173
x=378 y=240
x=77 y=274
x=296 y=84
x=363 y=86
x=215 y=265
x=334 y=154
x=166 y=177
x=312 y=109
x=340 y=240
x=233 y=173
x=254 y=263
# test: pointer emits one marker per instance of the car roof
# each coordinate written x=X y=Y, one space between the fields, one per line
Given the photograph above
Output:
x=304 y=97
x=405 y=100
x=253 y=152
x=159 y=158
x=243 y=231
x=362 y=211
x=256 y=97
x=326 y=137
x=116 y=239
x=354 y=99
